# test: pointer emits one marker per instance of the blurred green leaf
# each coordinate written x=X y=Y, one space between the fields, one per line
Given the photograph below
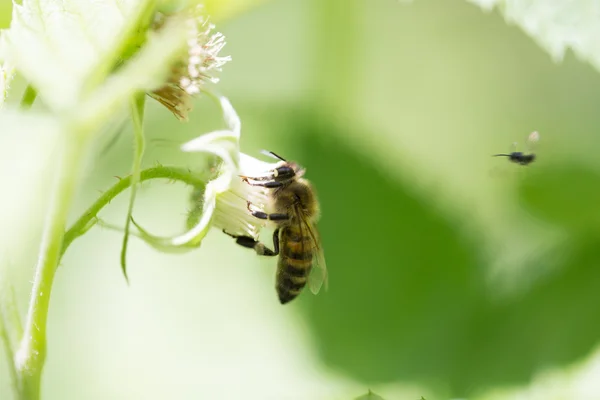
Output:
x=370 y=396
x=409 y=301
x=403 y=286
x=555 y=25
x=5 y=11
x=58 y=46
x=567 y=195
x=220 y=10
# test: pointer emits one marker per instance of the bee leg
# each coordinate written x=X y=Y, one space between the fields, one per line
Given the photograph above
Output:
x=260 y=248
x=279 y=174
x=270 y=217
x=268 y=184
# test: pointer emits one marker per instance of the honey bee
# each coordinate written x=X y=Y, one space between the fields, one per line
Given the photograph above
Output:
x=520 y=157
x=296 y=239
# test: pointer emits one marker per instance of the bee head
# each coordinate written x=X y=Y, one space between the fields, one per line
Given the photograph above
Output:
x=285 y=170
x=297 y=168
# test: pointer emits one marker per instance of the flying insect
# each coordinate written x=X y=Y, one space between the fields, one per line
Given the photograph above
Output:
x=520 y=157
x=296 y=239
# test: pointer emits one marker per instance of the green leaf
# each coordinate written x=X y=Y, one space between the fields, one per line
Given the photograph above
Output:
x=564 y=194
x=370 y=396
x=60 y=47
x=555 y=25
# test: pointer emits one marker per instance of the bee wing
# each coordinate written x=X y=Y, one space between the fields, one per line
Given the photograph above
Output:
x=318 y=275
x=532 y=141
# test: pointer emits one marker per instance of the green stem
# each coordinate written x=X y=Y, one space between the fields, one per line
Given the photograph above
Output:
x=138 y=102
x=28 y=98
x=159 y=172
x=31 y=354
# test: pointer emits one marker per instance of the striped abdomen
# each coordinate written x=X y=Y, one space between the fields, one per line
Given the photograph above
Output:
x=295 y=262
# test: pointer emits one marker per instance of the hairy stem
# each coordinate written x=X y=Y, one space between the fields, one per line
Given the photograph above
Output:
x=31 y=354
x=159 y=172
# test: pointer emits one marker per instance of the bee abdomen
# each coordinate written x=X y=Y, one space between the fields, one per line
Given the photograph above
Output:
x=297 y=252
x=294 y=265
x=289 y=287
x=295 y=236
x=292 y=276
x=296 y=247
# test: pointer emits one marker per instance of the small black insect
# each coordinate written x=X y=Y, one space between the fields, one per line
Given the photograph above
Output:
x=520 y=157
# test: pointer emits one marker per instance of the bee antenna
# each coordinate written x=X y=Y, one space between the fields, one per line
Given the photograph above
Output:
x=271 y=154
x=501 y=155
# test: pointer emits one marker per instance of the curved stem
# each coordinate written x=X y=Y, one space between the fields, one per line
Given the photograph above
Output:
x=30 y=356
x=159 y=172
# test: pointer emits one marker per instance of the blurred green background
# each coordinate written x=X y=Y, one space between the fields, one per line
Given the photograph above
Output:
x=453 y=274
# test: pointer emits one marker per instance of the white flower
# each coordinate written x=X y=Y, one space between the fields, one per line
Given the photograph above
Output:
x=231 y=213
x=195 y=67
x=203 y=54
x=225 y=198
